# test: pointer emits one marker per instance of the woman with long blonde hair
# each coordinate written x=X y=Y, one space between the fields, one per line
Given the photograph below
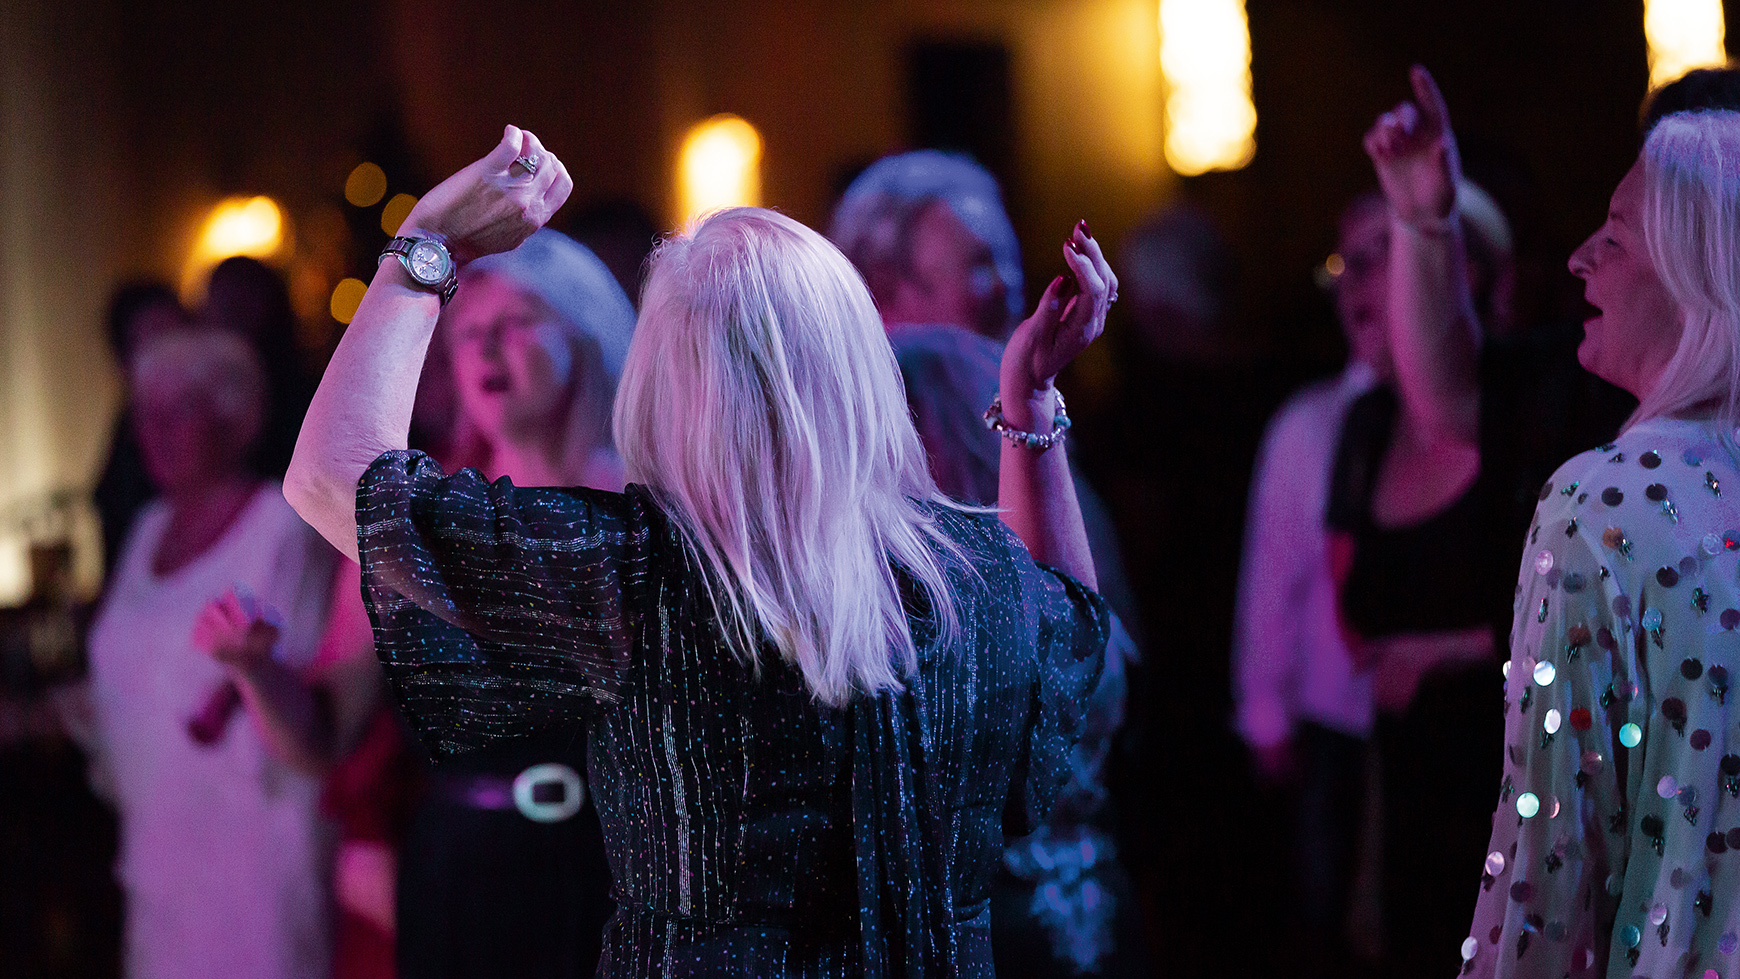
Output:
x=815 y=690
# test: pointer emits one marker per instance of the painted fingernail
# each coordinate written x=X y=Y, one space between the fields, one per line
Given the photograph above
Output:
x=1084 y=228
x=1071 y=245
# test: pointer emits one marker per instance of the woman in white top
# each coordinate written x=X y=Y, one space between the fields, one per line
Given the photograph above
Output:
x=222 y=847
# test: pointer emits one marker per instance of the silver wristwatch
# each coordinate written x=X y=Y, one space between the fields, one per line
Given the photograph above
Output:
x=428 y=262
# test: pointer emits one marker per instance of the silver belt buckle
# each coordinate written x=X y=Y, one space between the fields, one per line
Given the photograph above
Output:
x=544 y=810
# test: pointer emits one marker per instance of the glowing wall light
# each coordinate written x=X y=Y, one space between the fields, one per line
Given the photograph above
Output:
x=1682 y=35
x=251 y=226
x=1205 y=56
x=719 y=166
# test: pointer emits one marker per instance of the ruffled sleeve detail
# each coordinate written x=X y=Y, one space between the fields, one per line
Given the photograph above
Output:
x=499 y=612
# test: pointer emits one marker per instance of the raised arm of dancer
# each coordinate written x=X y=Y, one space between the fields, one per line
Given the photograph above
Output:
x=1034 y=488
x=1435 y=336
x=363 y=405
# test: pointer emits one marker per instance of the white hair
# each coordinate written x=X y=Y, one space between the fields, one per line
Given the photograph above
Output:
x=1691 y=226
x=597 y=319
x=216 y=365
x=873 y=222
x=762 y=407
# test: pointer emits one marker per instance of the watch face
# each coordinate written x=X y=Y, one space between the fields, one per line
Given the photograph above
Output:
x=428 y=262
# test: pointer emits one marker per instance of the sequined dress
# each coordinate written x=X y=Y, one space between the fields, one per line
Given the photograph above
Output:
x=1616 y=844
x=750 y=831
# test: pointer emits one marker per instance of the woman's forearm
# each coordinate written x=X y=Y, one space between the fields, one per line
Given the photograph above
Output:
x=363 y=405
x=1435 y=335
x=297 y=727
x=1037 y=495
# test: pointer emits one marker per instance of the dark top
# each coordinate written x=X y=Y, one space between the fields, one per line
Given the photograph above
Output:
x=1425 y=577
x=1537 y=407
x=121 y=492
x=751 y=831
x=486 y=892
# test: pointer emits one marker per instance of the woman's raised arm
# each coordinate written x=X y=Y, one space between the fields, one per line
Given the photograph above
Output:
x=1435 y=336
x=1034 y=488
x=363 y=405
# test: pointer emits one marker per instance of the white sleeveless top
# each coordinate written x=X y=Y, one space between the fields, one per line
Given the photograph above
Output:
x=223 y=851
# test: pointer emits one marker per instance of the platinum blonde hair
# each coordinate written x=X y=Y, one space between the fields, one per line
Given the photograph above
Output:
x=762 y=407
x=1691 y=225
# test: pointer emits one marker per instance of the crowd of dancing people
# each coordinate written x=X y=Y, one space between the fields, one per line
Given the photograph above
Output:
x=753 y=606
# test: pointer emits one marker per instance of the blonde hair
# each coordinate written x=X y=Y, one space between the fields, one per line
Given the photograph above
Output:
x=1691 y=226
x=762 y=407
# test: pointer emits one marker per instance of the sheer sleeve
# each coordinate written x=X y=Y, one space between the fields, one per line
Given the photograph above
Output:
x=498 y=612
x=1070 y=626
x=1559 y=833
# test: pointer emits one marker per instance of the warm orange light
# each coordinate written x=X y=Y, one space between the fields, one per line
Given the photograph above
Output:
x=1205 y=55
x=397 y=210
x=719 y=166
x=14 y=571
x=1682 y=35
x=251 y=226
x=366 y=185
x=346 y=297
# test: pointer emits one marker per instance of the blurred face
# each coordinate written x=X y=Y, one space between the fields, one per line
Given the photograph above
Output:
x=1362 y=289
x=953 y=279
x=185 y=443
x=153 y=321
x=513 y=364
x=1636 y=324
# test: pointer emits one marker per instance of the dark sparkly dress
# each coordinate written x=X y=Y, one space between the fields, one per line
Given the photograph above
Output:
x=751 y=831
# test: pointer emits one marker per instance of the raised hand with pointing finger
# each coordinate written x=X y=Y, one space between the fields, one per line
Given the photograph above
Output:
x=1413 y=149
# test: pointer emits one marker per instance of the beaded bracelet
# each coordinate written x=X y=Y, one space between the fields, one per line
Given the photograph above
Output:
x=995 y=421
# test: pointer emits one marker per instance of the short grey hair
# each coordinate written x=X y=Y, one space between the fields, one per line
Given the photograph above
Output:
x=573 y=282
x=873 y=222
x=212 y=363
x=599 y=322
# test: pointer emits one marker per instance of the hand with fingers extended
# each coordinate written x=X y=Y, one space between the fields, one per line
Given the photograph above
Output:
x=237 y=630
x=1413 y=149
x=497 y=202
x=1071 y=314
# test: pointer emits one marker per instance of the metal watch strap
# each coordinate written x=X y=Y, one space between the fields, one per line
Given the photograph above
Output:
x=400 y=247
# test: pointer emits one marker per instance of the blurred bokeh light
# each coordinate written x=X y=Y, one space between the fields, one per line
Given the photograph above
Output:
x=1205 y=56
x=719 y=166
x=251 y=226
x=366 y=185
x=1682 y=35
x=346 y=297
x=397 y=210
